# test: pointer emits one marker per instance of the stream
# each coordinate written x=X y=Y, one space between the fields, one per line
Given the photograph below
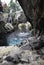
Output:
x=17 y=37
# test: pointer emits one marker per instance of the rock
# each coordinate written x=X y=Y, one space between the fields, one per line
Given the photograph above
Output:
x=42 y=38
x=28 y=56
x=7 y=63
x=9 y=27
x=36 y=43
x=34 y=63
x=34 y=11
x=42 y=51
x=1 y=60
x=17 y=59
x=26 y=47
x=28 y=26
x=14 y=55
x=41 y=62
x=31 y=52
x=23 y=64
x=14 y=59
x=18 y=56
x=22 y=18
x=9 y=58
x=3 y=41
x=2 y=23
x=24 y=26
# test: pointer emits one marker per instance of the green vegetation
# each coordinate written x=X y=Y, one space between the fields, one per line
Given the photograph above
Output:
x=13 y=5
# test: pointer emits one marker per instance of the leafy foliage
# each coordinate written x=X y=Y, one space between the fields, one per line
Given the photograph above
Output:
x=14 y=5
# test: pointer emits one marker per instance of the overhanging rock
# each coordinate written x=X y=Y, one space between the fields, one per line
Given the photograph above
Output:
x=34 y=11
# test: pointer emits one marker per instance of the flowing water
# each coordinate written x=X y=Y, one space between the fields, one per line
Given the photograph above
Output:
x=17 y=38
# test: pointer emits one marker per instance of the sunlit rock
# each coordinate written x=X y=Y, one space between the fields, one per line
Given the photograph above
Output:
x=24 y=26
x=9 y=26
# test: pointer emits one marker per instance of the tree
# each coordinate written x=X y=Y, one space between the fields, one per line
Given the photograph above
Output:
x=8 y=8
x=18 y=8
x=14 y=5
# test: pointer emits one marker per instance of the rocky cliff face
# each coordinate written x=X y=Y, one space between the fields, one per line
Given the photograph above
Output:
x=34 y=11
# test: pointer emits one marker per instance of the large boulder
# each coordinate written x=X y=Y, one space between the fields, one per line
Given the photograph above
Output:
x=34 y=11
x=22 y=18
x=9 y=26
x=24 y=26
